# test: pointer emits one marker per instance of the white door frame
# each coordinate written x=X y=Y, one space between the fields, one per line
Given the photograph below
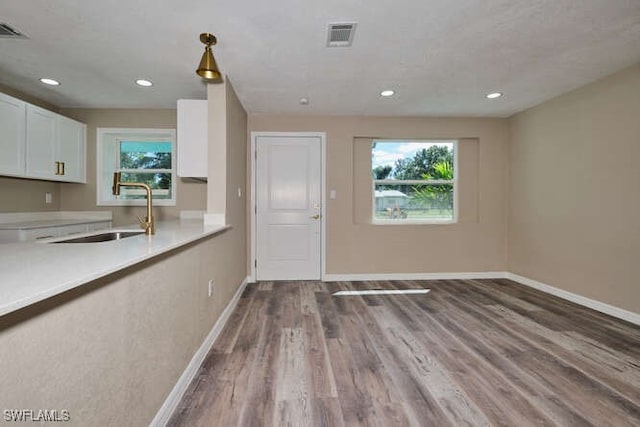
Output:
x=253 y=226
x=252 y=208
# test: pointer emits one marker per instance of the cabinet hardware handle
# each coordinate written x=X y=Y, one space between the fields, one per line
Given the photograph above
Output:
x=57 y=168
x=316 y=216
x=62 y=168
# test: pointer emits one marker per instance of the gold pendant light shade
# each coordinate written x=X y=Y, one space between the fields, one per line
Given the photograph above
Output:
x=208 y=69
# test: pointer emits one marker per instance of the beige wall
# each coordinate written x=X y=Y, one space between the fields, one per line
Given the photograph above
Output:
x=574 y=205
x=217 y=134
x=28 y=195
x=227 y=174
x=191 y=194
x=475 y=244
x=236 y=171
x=227 y=182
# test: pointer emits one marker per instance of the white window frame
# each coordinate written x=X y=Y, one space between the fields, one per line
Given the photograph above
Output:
x=402 y=221
x=108 y=161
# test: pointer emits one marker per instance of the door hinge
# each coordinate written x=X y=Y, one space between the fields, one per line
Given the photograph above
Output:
x=255 y=263
x=256 y=208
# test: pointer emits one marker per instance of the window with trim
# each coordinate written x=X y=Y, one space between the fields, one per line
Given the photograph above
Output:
x=414 y=181
x=141 y=155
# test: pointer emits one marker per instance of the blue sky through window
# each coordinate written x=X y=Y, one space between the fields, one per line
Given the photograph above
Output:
x=145 y=147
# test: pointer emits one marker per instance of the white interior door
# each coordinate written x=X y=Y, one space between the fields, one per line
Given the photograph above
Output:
x=288 y=207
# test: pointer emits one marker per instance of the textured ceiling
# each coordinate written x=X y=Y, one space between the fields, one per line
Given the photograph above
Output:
x=441 y=56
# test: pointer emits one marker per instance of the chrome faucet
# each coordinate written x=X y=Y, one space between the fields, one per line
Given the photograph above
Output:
x=148 y=224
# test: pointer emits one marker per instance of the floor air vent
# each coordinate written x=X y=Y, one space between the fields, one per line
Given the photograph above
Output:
x=7 y=32
x=341 y=34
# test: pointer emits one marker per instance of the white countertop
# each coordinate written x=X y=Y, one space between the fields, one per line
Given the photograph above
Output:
x=29 y=225
x=31 y=220
x=33 y=271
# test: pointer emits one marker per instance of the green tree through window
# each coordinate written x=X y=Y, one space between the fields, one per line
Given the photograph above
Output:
x=148 y=162
x=413 y=180
x=423 y=163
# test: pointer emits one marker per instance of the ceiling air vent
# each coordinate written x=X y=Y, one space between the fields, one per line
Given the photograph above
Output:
x=341 y=34
x=7 y=32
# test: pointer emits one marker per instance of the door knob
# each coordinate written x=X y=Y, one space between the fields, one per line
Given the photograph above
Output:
x=316 y=216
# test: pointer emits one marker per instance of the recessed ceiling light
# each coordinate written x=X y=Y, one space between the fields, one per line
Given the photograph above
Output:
x=50 y=82
x=494 y=95
x=304 y=101
x=143 y=82
x=387 y=92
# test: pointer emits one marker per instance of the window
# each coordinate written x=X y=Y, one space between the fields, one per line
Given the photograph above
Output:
x=414 y=181
x=142 y=155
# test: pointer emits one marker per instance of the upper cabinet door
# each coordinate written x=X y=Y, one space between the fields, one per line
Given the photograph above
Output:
x=70 y=150
x=12 y=143
x=41 y=139
x=192 y=138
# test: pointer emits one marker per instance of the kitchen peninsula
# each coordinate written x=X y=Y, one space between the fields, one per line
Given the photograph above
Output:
x=103 y=319
x=34 y=271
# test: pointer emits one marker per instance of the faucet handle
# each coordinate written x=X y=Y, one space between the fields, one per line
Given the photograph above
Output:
x=143 y=223
x=147 y=225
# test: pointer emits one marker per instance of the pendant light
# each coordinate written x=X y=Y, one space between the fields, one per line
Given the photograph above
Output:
x=208 y=69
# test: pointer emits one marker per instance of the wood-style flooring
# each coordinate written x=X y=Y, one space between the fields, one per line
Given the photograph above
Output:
x=469 y=353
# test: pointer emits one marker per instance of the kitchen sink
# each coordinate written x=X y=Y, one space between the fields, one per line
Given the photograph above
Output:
x=101 y=237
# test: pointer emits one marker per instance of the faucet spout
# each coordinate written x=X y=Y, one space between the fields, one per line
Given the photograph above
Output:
x=148 y=225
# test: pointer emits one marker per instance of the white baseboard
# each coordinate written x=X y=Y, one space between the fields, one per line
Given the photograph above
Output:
x=578 y=299
x=414 y=276
x=173 y=399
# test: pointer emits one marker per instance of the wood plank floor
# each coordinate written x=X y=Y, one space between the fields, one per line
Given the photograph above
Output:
x=468 y=353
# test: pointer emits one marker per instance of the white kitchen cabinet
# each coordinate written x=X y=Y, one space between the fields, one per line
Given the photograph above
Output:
x=192 y=138
x=70 y=149
x=41 y=138
x=55 y=146
x=38 y=143
x=12 y=144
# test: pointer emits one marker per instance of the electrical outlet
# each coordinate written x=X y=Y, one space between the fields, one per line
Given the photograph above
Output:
x=48 y=198
x=211 y=284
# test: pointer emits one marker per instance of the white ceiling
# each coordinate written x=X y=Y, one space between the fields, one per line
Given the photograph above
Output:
x=441 y=56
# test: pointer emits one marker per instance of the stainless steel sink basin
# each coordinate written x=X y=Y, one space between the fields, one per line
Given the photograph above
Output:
x=102 y=237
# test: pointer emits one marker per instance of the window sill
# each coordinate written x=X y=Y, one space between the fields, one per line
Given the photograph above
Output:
x=411 y=222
